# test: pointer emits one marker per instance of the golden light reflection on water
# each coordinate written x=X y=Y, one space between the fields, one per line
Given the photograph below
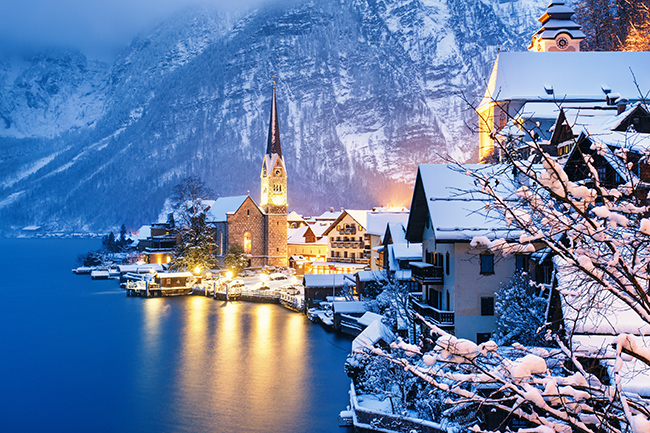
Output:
x=235 y=360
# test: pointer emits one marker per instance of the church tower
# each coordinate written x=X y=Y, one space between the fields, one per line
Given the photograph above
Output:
x=558 y=32
x=273 y=198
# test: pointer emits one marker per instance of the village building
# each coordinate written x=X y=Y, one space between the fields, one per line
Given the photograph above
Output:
x=528 y=88
x=348 y=244
x=157 y=241
x=457 y=277
x=398 y=254
x=306 y=244
x=261 y=229
x=295 y=220
x=377 y=222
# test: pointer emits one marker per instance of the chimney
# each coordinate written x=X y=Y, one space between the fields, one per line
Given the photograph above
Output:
x=621 y=106
x=332 y=209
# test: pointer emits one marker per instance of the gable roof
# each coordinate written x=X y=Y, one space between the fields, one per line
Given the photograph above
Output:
x=448 y=198
x=360 y=216
x=378 y=221
x=572 y=77
x=223 y=206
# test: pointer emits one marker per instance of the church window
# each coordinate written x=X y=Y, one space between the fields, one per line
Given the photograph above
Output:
x=247 y=243
x=248 y=212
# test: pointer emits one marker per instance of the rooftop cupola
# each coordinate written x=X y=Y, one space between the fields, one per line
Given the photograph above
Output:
x=558 y=32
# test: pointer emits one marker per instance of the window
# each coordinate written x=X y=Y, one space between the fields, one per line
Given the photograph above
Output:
x=247 y=243
x=487 y=306
x=521 y=262
x=487 y=264
x=482 y=337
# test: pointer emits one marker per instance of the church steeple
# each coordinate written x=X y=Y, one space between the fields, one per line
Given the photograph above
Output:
x=273 y=143
x=558 y=32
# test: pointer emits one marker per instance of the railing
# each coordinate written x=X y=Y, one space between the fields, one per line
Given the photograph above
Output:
x=428 y=274
x=348 y=231
x=348 y=260
x=439 y=317
x=348 y=244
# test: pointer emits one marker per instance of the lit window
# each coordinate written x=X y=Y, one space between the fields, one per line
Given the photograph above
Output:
x=247 y=243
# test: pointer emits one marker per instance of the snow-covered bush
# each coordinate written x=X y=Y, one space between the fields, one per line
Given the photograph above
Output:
x=520 y=309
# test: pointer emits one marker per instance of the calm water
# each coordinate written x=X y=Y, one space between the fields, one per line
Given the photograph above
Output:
x=79 y=356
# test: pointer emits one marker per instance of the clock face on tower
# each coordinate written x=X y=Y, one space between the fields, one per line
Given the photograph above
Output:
x=278 y=172
x=562 y=42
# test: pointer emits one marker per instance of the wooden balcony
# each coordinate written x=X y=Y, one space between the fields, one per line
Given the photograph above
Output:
x=426 y=273
x=437 y=317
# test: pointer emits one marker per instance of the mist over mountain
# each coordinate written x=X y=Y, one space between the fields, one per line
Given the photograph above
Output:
x=367 y=89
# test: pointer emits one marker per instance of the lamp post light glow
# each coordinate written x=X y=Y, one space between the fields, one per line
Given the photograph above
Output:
x=229 y=275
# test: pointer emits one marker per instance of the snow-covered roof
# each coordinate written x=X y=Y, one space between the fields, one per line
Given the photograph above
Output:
x=456 y=209
x=366 y=276
x=295 y=217
x=589 y=309
x=373 y=333
x=407 y=251
x=573 y=76
x=329 y=216
x=328 y=280
x=369 y=317
x=140 y=268
x=220 y=209
x=347 y=307
x=360 y=216
x=319 y=227
x=377 y=221
x=296 y=236
x=174 y=274
x=143 y=233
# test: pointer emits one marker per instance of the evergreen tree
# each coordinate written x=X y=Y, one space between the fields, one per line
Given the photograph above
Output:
x=196 y=247
x=236 y=259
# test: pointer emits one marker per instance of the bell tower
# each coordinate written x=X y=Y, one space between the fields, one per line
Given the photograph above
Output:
x=273 y=199
x=558 y=32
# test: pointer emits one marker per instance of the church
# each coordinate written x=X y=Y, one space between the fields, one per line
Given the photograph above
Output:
x=260 y=228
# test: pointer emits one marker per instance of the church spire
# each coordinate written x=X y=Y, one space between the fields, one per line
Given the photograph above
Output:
x=273 y=144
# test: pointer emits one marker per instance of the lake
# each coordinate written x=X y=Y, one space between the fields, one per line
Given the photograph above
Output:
x=77 y=355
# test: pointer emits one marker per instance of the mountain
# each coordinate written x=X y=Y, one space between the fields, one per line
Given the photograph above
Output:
x=367 y=89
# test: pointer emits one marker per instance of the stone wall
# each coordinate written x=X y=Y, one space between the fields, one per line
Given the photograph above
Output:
x=249 y=218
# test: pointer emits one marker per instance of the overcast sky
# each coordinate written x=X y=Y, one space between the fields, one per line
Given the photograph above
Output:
x=99 y=28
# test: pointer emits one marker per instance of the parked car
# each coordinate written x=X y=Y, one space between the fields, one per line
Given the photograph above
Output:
x=277 y=276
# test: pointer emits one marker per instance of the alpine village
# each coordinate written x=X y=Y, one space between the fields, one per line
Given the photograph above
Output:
x=507 y=295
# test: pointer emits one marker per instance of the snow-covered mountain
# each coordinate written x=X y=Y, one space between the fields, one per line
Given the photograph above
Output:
x=367 y=89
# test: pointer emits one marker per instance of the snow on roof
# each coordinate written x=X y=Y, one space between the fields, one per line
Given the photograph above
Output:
x=220 y=209
x=360 y=216
x=375 y=332
x=407 y=251
x=366 y=276
x=295 y=217
x=369 y=317
x=296 y=236
x=319 y=228
x=589 y=309
x=328 y=280
x=329 y=215
x=139 y=268
x=174 y=274
x=456 y=208
x=377 y=221
x=572 y=76
x=398 y=231
x=143 y=233
x=347 y=307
